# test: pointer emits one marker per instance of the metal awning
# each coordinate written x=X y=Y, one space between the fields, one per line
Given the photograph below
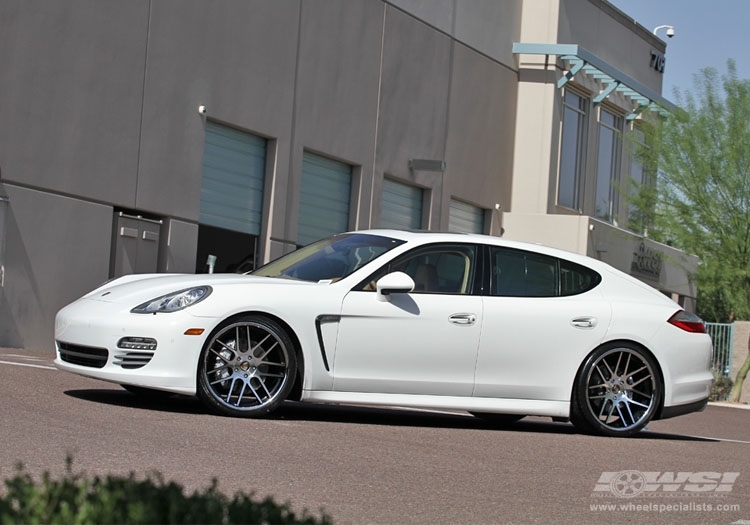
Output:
x=581 y=60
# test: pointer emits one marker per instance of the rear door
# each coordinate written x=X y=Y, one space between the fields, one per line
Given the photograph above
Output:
x=542 y=316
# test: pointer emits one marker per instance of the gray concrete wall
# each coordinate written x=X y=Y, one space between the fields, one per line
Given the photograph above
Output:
x=336 y=100
x=613 y=36
x=100 y=104
x=236 y=58
x=100 y=113
x=489 y=27
x=71 y=85
x=479 y=148
x=413 y=111
x=55 y=249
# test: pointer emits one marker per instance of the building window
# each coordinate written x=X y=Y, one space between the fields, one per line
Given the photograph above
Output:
x=608 y=165
x=325 y=197
x=465 y=218
x=401 y=206
x=231 y=205
x=572 y=150
x=640 y=179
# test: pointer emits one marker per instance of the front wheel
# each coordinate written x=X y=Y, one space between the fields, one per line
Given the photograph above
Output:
x=617 y=391
x=247 y=367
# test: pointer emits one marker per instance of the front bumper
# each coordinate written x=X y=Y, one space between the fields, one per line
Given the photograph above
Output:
x=87 y=333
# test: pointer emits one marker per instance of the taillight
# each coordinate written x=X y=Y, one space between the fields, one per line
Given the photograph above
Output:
x=688 y=322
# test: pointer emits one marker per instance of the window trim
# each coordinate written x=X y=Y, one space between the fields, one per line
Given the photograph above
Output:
x=475 y=284
x=648 y=178
x=559 y=263
x=615 y=164
x=582 y=134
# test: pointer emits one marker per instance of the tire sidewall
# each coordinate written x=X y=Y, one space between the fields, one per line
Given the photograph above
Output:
x=581 y=411
x=204 y=390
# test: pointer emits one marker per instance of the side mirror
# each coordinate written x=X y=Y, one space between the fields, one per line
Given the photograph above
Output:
x=396 y=282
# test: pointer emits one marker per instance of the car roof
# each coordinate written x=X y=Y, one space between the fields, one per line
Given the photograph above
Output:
x=422 y=236
x=435 y=236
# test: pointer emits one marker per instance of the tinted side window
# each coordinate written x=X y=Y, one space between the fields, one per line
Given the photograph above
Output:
x=437 y=268
x=516 y=273
x=575 y=279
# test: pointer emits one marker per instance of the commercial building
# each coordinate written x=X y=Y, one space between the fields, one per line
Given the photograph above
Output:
x=164 y=136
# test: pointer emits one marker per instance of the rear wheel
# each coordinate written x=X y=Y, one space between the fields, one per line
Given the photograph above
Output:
x=617 y=391
x=247 y=367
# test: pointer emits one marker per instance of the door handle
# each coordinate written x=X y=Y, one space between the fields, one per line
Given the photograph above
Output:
x=463 y=319
x=584 y=322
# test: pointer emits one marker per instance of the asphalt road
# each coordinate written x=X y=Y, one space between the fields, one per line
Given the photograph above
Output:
x=365 y=465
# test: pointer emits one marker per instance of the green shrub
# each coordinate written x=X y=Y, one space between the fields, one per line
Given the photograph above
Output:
x=76 y=499
x=721 y=386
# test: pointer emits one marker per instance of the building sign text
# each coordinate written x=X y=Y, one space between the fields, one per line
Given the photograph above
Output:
x=647 y=262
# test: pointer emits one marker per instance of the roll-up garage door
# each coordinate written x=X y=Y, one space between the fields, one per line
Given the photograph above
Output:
x=233 y=171
x=465 y=218
x=402 y=206
x=325 y=195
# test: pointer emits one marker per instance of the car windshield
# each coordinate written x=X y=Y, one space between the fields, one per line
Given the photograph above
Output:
x=329 y=259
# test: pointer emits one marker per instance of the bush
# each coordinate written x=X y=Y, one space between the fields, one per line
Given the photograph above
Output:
x=721 y=386
x=76 y=499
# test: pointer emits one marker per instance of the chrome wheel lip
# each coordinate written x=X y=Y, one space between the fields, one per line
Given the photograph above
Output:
x=621 y=390
x=245 y=366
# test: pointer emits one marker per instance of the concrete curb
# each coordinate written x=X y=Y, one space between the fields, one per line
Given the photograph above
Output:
x=743 y=406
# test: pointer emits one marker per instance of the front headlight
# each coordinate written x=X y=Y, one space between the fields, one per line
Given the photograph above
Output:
x=174 y=301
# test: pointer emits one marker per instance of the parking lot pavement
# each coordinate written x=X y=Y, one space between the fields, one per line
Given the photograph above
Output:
x=369 y=465
x=16 y=357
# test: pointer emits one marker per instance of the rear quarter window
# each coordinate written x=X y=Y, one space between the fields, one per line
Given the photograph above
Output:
x=576 y=279
x=518 y=273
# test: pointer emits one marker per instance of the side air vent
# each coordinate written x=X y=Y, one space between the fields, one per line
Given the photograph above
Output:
x=132 y=360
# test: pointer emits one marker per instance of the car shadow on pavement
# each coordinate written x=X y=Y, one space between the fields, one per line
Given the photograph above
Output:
x=346 y=414
x=440 y=419
x=159 y=401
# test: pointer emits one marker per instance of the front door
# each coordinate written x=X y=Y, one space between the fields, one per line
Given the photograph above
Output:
x=423 y=342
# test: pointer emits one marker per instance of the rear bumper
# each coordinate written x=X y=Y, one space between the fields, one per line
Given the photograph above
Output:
x=680 y=410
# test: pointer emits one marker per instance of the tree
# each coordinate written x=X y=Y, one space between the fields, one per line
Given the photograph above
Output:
x=701 y=200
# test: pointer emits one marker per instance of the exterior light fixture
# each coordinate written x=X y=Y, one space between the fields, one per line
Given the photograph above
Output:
x=426 y=165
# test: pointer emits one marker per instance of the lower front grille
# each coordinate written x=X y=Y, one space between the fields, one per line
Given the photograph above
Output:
x=83 y=355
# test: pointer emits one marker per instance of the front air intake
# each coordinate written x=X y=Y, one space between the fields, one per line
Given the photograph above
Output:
x=82 y=355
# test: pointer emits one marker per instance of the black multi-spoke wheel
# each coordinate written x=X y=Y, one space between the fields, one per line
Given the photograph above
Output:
x=617 y=391
x=247 y=367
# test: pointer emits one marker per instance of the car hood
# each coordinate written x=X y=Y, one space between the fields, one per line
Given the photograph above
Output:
x=137 y=288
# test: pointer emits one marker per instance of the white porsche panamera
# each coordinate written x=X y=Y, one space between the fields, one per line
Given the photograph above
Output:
x=497 y=328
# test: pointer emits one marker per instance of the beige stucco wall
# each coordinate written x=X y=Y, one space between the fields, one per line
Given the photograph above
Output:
x=739 y=354
x=615 y=246
x=534 y=214
x=615 y=38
